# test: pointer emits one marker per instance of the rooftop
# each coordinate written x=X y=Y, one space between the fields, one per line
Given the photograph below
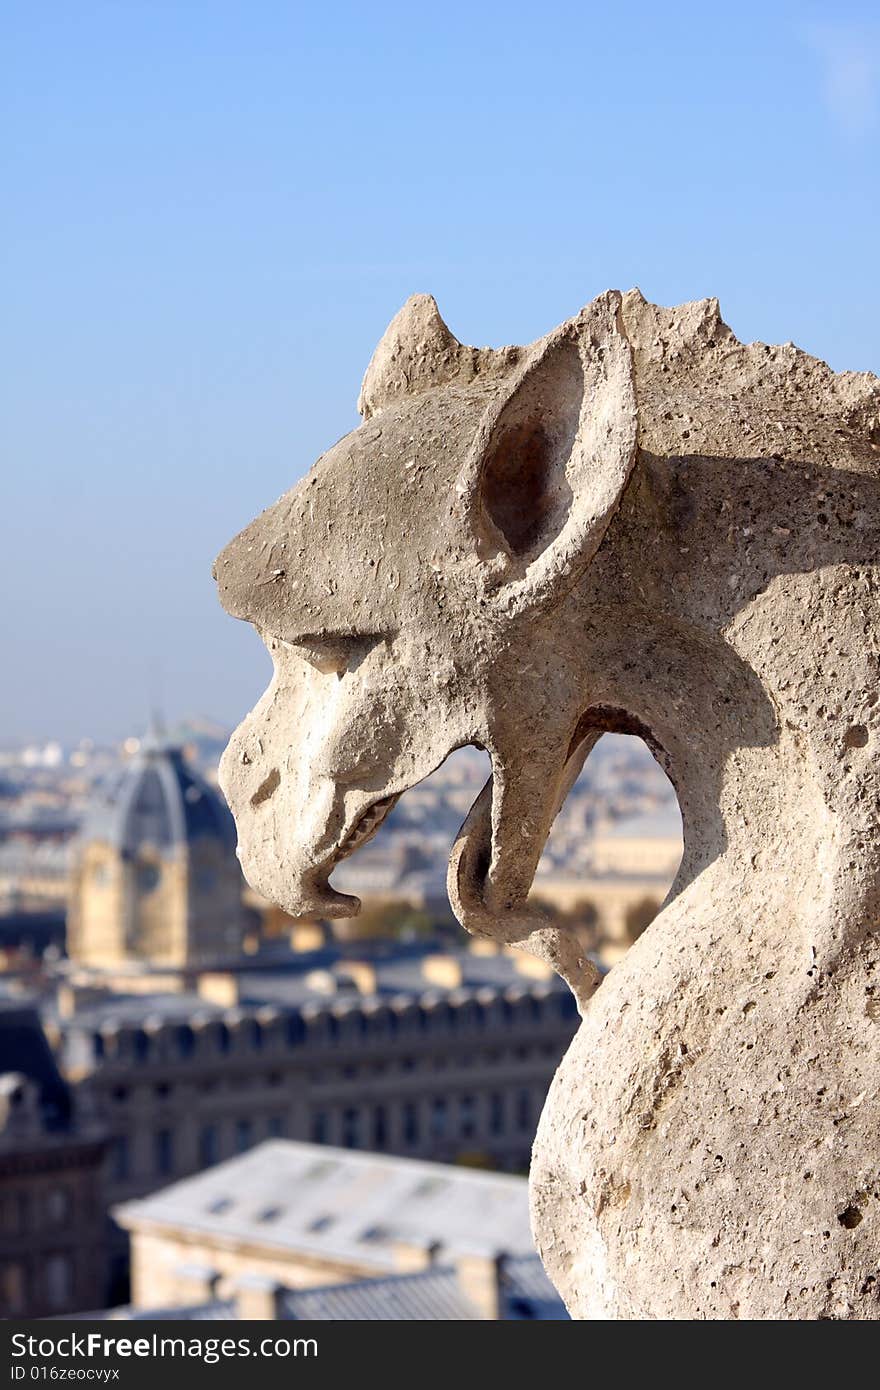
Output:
x=342 y=1205
x=158 y=798
x=429 y=1295
x=328 y=979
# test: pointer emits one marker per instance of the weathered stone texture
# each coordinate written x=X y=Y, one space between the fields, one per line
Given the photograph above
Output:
x=636 y=523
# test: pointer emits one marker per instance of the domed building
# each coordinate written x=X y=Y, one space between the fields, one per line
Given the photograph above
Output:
x=157 y=882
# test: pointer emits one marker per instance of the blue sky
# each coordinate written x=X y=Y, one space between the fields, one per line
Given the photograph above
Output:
x=211 y=210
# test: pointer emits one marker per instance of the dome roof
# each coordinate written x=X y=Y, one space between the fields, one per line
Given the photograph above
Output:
x=158 y=799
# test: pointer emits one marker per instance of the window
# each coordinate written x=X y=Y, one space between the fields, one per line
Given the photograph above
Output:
x=429 y=1187
x=12 y=1288
x=321 y=1169
x=163 y=1146
x=467 y=1117
x=375 y=1234
x=277 y=1126
x=566 y=1005
x=380 y=1127
x=120 y=1162
x=320 y=1127
x=351 y=1128
x=438 y=1117
x=57 y=1206
x=186 y=1041
x=209 y=1146
x=59 y=1280
x=410 y=1123
x=321 y=1223
x=244 y=1135
x=13 y=1213
x=496 y=1113
x=523 y=1110
x=141 y=1045
x=148 y=876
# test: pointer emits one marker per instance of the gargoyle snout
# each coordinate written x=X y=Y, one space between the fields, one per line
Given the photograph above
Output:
x=250 y=568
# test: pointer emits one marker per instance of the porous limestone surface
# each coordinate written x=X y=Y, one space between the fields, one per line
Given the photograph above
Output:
x=638 y=524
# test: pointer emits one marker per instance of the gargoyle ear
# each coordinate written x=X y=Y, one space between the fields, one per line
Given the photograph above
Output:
x=551 y=459
x=416 y=351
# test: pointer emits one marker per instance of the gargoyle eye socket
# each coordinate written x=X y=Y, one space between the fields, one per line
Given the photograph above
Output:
x=334 y=653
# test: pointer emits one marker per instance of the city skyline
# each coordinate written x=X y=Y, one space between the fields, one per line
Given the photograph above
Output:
x=211 y=217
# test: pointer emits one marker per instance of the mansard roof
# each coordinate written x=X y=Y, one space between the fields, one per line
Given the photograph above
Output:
x=160 y=800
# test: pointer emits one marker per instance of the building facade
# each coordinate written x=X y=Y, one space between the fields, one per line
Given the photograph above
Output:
x=53 y=1229
x=156 y=880
x=305 y=1231
x=446 y=1057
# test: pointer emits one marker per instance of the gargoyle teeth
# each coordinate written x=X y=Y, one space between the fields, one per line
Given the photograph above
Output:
x=366 y=827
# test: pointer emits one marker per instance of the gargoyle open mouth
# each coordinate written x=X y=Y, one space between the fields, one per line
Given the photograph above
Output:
x=366 y=827
x=319 y=894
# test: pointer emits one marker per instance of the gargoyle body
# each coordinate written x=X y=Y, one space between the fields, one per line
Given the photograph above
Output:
x=635 y=524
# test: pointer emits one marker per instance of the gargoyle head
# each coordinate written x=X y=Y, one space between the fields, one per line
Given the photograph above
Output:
x=403 y=588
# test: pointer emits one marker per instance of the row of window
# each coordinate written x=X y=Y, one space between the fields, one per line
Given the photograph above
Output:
x=164 y=1090
x=386 y=1023
x=353 y=1126
x=367 y=1126
x=164 y=1155
x=35 y=1210
x=53 y=1285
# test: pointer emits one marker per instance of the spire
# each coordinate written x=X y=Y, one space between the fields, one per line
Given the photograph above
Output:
x=156 y=737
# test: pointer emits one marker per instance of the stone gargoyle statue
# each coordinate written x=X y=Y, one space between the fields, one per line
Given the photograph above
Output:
x=638 y=524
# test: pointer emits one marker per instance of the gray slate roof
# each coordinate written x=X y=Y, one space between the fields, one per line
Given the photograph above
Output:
x=158 y=799
x=399 y=975
x=342 y=1205
x=25 y=1050
x=430 y=1295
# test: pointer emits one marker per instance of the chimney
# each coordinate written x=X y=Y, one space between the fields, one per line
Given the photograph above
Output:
x=258 y=1299
x=362 y=975
x=479 y=1278
x=443 y=971
x=66 y=1000
x=71 y=996
x=218 y=987
x=411 y=1255
x=306 y=936
x=483 y=946
x=531 y=966
x=196 y=1284
x=19 y=1105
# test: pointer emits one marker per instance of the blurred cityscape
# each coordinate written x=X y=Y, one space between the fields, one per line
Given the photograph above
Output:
x=209 y=1109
